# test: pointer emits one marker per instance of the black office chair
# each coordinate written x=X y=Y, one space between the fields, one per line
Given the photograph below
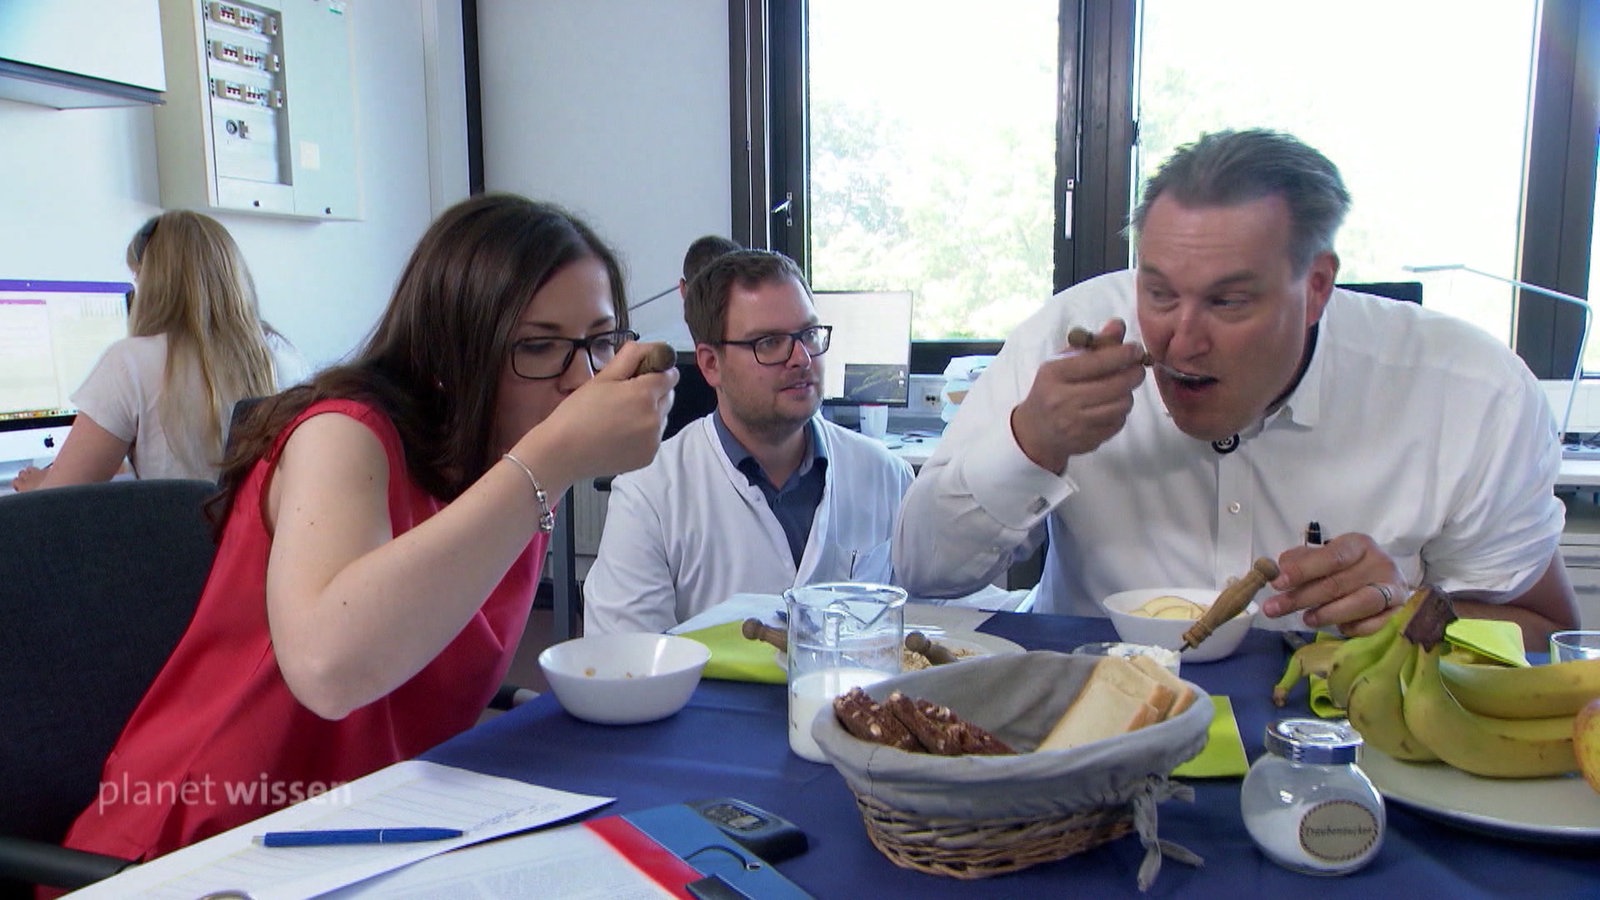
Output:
x=692 y=399
x=97 y=584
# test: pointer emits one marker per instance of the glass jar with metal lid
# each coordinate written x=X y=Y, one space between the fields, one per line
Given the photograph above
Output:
x=1306 y=802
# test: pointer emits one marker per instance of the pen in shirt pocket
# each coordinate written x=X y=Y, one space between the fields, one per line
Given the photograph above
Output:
x=1314 y=534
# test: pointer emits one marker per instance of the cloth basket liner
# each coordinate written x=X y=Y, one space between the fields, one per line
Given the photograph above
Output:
x=1019 y=698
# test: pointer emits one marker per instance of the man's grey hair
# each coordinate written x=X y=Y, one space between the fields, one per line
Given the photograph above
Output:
x=1227 y=168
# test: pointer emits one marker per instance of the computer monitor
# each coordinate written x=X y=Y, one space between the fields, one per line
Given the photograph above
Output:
x=869 y=361
x=1409 y=291
x=51 y=334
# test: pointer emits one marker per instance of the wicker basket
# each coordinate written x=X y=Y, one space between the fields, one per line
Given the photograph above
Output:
x=969 y=848
x=976 y=816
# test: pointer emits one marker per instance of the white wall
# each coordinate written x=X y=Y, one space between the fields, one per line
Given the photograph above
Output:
x=75 y=184
x=617 y=109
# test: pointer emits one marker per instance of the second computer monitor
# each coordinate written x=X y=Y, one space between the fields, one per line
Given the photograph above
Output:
x=52 y=334
x=869 y=361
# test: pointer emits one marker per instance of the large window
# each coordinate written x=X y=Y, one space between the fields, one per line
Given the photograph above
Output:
x=930 y=149
x=1425 y=117
x=933 y=134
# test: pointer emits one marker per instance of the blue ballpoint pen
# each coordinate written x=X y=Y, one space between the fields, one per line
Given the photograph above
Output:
x=356 y=836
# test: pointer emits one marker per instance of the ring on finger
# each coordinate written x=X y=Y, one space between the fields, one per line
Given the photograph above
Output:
x=1384 y=591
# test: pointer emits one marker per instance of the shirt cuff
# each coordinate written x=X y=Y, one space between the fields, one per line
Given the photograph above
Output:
x=1008 y=485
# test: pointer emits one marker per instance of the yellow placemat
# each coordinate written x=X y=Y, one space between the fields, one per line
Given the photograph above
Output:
x=1223 y=756
x=1499 y=640
x=735 y=657
x=1321 y=703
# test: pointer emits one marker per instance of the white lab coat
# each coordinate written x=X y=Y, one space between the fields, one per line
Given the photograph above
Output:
x=689 y=531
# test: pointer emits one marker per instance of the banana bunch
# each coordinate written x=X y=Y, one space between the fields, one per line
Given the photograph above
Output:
x=1412 y=703
x=1369 y=680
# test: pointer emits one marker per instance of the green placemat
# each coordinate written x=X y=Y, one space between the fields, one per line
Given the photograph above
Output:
x=1223 y=756
x=735 y=657
x=1321 y=703
x=1497 y=639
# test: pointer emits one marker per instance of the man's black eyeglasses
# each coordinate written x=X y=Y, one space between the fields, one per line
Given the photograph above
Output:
x=537 y=359
x=775 y=349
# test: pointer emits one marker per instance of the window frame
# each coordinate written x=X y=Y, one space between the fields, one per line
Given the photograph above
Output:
x=1559 y=185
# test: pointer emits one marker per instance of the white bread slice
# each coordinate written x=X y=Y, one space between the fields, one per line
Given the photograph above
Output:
x=1121 y=672
x=1102 y=709
x=1182 y=694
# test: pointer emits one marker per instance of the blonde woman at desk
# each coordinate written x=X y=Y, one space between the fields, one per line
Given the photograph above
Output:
x=160 y=398
x=383 y=530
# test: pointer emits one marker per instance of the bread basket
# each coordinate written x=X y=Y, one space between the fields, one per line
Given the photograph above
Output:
x=976 y=816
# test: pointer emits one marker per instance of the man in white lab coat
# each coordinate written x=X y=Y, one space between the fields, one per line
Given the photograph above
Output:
x=761 y=495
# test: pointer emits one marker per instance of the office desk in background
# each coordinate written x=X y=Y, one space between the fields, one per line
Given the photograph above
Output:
x=914 y=447
x=1583 y=474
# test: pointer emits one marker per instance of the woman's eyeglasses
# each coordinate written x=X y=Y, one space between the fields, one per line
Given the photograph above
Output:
x=548 y=357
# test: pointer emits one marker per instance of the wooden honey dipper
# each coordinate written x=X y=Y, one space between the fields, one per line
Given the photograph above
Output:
x=658 y=357
x=757 y=630
x=937 y=654
x=1083 y=339
x=1233 y=599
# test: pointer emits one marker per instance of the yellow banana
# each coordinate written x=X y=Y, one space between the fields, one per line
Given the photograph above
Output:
x=1548 y=728
x=1523 y=692
x=1376 y=708
x=1358 y=654
x=1479 y=744
x=1465 y=655
x=1311 y=659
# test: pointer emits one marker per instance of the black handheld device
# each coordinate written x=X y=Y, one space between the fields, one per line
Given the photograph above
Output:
x=768 y=836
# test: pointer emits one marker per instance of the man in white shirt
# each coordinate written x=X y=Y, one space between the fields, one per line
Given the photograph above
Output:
x=761 y=495
x=1274 y=400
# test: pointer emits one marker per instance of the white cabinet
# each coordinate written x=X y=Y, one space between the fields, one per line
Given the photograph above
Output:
x=1580 y=550
x=260 y=112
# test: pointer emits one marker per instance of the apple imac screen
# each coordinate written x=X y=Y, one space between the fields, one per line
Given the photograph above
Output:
x=51 y=334
x=869 y=360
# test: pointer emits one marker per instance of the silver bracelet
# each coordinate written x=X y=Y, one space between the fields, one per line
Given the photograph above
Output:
x=547 y=519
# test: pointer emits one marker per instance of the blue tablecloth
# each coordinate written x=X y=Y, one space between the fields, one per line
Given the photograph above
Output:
x=732 y=740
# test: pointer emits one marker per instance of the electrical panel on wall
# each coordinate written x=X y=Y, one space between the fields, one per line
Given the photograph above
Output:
x=260 y=113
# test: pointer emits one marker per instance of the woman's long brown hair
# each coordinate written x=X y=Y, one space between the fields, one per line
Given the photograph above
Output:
x=434 y=362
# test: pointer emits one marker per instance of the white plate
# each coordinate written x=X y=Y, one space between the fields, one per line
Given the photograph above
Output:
x=1548 y=809
x=976 y=641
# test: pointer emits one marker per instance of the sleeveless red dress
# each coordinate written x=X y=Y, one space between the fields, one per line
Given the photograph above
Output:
x=219 y=740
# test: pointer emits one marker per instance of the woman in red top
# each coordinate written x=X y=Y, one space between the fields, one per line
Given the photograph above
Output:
x=383 y=530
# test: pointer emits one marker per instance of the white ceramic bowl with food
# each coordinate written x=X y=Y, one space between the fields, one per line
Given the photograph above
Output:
x=1142 y=617
x=624 y=679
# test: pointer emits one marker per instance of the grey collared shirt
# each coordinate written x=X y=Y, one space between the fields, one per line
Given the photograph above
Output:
x=795 y=503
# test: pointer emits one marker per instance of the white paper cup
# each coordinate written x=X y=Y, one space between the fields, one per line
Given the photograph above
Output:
x=874 y=420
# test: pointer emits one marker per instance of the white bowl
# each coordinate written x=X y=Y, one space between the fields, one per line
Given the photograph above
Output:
x=624 y=679
x=1164 y=657
x=1137 y=629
